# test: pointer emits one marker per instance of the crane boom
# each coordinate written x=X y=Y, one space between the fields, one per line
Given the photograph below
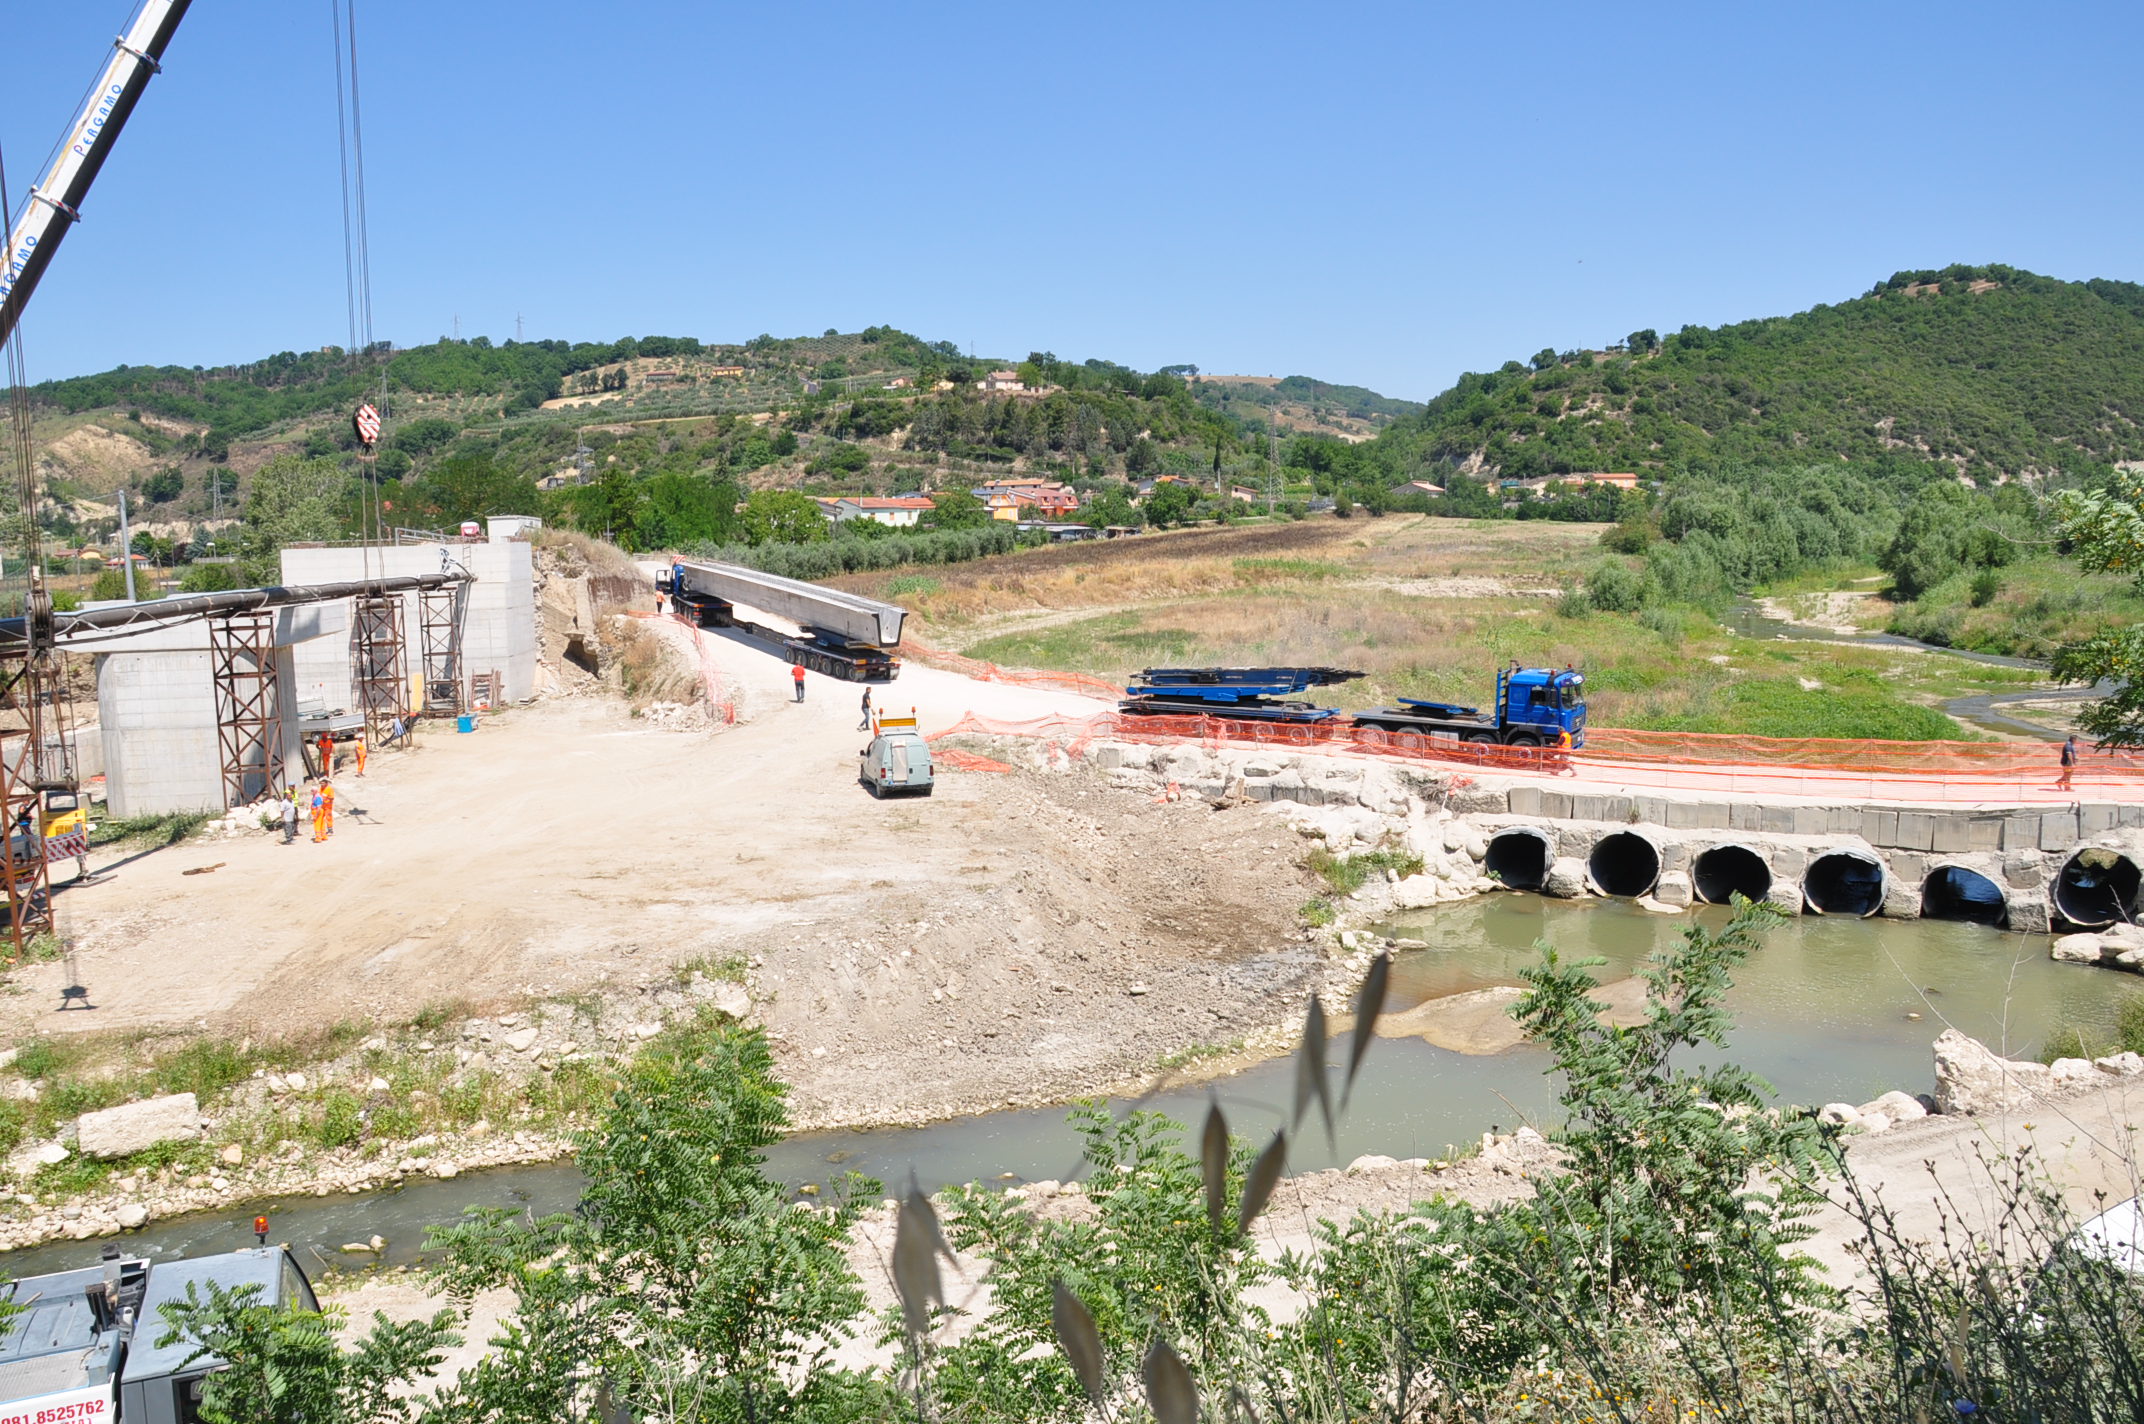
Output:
x=55 y=204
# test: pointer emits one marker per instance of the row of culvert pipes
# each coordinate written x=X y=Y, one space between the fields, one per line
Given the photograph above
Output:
x=2094 y=888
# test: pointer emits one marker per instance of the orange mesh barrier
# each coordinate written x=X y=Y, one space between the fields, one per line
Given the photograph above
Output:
x=954 y=759
x=1874 y=770
x=1074 y=682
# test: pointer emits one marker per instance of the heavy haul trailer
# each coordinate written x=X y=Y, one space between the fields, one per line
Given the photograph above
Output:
x=1246 y=694
x=1535 y=707
x=844 y=635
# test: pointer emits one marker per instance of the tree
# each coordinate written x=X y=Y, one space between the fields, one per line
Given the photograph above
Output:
x=293 y=500
x=207 y=578
x=1108 y=506
x=2106 y=533
x=288 y=1366
x=687 y=1286
x=1930 y=544
x=1544 y=358
x=782 y=517
x=1642 y=340
x=956 y=509
x=164 y=486
x=682 y=509
x=1169 y=504
x=110 y=586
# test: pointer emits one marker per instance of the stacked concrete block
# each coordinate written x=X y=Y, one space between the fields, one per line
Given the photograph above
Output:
x=498 y=620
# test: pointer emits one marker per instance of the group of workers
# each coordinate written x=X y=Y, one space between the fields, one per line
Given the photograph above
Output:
x=319 y=803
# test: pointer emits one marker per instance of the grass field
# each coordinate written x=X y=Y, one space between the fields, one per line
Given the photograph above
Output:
x=1425 y=608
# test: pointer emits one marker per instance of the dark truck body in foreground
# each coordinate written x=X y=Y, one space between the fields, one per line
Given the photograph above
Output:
x=84 y=1350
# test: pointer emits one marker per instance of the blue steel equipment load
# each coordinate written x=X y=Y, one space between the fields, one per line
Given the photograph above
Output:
x=1246 y=694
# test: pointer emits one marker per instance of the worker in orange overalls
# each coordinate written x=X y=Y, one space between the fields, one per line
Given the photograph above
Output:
x=796 y=673
x=327 y=754
x=320 y=814
x=360 y=756
x=327 y=805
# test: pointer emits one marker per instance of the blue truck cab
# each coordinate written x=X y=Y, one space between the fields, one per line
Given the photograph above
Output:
x=1534 y=707
x=1542 y=701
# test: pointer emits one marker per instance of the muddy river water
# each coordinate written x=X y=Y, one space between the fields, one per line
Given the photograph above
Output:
x=1825 y=1011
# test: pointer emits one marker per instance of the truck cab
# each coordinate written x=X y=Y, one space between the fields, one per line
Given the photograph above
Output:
x=1539 y=705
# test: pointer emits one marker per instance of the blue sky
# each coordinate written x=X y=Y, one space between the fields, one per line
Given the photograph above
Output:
x=1379 y=194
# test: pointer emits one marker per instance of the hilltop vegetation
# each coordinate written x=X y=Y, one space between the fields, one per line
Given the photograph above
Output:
x=1992 y=371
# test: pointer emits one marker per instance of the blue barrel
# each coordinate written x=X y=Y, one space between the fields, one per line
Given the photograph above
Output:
x=465 y=722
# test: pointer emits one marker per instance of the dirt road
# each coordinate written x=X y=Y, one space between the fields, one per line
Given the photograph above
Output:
x=1015 y=937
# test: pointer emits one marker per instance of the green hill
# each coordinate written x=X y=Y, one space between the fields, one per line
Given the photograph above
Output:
x=1991 y=370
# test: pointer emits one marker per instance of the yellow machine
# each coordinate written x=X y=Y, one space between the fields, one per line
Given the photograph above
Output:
x=61 y=812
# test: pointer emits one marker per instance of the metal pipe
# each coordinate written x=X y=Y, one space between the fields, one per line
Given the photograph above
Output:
x=185 y=607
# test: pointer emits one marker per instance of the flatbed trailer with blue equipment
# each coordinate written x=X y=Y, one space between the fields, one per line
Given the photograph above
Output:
x=1244 y=694
x=1534 y=707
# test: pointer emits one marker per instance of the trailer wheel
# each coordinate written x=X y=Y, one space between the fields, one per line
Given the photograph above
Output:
x=1480 y=739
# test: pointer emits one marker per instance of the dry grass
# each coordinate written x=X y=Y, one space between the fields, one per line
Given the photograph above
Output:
x=1206 y=562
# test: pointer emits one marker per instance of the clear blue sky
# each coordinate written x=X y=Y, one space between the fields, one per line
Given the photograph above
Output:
x=1380 y=194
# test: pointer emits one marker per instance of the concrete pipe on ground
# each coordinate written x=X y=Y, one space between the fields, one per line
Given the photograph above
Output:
x=1624 y=864
x=1723 y=872
x=1952 y=892
x=1844 y=882
x=1520 y=857
x=2096 y=888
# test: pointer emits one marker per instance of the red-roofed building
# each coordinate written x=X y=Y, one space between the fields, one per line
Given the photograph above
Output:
x=893 y=511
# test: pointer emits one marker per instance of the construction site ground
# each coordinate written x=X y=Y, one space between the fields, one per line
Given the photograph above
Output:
x=1013 y=938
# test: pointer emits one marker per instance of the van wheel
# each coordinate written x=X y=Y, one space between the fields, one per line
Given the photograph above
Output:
x=927 y=789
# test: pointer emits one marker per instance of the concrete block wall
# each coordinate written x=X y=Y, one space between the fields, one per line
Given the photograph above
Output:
x=499 y=612
x=156 y=713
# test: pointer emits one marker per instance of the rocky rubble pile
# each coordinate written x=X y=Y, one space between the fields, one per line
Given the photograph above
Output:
x=2120 y=947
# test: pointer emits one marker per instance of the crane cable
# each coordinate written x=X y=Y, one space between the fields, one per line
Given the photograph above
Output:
x=357 y=252
x=20 y=417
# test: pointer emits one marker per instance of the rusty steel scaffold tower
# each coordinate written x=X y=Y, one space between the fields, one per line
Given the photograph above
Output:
x=36 y=757
x=376 y=665
x=439 y=618
x=248 y=705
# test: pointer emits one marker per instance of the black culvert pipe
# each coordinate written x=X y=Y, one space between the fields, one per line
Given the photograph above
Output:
x=1952 y=892
x=1624 y=864
x=1844 y=882
x=1520 y=857
x=2096 y=888
x=1720 y=874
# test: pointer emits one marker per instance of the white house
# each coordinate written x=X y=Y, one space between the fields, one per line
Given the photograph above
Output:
x=896 y=512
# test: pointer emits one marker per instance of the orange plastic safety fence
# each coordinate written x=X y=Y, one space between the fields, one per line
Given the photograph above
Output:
x=1075 y=682
x=954 y=759
x=2109 y=775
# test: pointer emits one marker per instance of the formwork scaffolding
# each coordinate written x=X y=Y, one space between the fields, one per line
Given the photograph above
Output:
x=439 y=617
x=36 y=757
x=376 y=666
x=248 y=705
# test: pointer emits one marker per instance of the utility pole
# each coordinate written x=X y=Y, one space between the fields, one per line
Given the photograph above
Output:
x=517 y=326
x=126 y=546
x=457 y=326
x=1272 y=458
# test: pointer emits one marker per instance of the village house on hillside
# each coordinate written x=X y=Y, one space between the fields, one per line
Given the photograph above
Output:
x=893 y=511
x=1001 y=381
x=1006 y=498
x=1424 y=487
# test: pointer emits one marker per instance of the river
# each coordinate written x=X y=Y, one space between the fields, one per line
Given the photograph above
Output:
x=1822 y=1013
